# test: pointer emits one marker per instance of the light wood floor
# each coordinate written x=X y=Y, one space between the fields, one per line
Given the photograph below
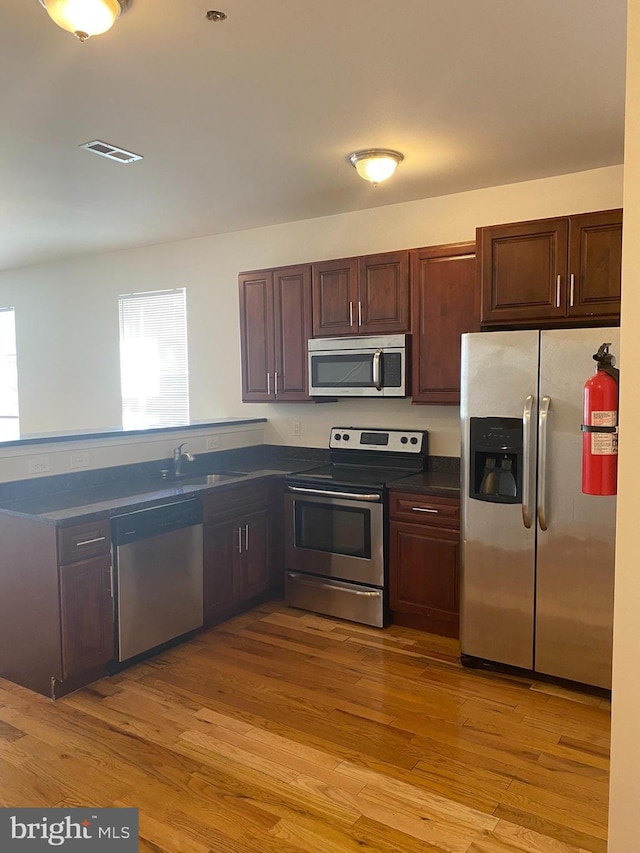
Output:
x=281 y=731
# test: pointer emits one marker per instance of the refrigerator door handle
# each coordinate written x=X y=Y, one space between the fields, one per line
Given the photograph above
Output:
x=526 y=461
x=543 y=418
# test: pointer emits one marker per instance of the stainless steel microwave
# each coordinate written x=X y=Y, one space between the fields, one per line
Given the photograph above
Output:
x=362 y=366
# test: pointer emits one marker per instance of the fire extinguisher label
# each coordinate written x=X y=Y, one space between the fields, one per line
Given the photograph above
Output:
x=604 y=443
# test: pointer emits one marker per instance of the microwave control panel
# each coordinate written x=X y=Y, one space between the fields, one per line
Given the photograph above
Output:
x=390 y=440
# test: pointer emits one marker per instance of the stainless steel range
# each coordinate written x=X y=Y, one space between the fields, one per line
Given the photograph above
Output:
x=335 y=522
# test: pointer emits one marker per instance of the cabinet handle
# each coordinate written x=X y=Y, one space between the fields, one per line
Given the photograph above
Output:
x=359 y=313
x=558 y=279
x=239 y=540
x=110 y=590
x=573 y=282
x=351 y=313
x=90 y=541
x=246 y=537
x=424 y=509
x=275 y=383
x=268 y=384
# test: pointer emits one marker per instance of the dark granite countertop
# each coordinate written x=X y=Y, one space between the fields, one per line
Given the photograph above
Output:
x=443 y=483
x=442 y=477
x=112 y=498
x=68 y=499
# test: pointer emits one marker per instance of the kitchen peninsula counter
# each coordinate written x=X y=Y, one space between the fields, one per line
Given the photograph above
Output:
x=101 y=501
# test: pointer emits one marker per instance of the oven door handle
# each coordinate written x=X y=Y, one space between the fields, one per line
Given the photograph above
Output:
x=351 y=496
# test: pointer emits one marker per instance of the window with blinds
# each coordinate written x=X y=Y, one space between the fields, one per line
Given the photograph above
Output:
x=9 y=416
x=154 y=370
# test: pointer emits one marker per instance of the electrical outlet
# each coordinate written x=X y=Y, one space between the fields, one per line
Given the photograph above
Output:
x=79 y=460
x=39 y=464
x=212 y=442
x=295 y=427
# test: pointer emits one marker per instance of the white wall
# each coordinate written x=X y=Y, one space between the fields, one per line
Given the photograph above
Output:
x=67 y=318
x=624 y=819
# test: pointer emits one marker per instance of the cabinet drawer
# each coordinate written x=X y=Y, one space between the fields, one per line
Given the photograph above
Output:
x=424 y=509
x=83 y=541
x=233 y=500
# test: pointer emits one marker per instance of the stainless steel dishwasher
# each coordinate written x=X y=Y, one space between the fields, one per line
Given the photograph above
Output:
x=158 y=575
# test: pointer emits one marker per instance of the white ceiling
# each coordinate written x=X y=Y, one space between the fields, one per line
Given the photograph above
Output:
x=249 y=122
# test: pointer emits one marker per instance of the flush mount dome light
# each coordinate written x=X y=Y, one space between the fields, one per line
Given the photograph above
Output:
x=375 y=164
x=85 y=18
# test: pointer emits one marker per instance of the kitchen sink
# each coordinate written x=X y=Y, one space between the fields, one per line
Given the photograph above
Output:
x=209 y=479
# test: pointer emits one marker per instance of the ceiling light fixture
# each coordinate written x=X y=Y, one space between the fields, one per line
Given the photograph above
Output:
x=85 y=18
x=375 y=164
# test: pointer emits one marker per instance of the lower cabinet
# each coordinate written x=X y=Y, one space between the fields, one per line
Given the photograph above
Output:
x=86 y=601
x=424 y=557
x=86 y=615
x=237 y=548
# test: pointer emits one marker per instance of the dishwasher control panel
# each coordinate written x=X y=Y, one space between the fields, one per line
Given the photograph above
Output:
x=161 y=518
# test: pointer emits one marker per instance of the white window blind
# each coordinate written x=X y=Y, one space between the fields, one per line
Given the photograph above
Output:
x=9 y=417
x=154 y=370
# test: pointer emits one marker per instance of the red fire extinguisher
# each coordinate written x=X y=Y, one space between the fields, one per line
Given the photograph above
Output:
x=600 y=427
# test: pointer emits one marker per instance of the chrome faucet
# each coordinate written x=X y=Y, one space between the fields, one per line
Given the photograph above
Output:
x=180 y=456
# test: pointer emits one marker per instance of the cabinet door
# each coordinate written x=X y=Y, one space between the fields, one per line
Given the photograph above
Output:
x=444 y=300
x=423 y=577
x=383 y=294
x=523 y=271
x=86 y=606
x=256 y=336
x=335 y=294
x=255 y=556
x=293 y=328
x=595 y=261
x=221 y=568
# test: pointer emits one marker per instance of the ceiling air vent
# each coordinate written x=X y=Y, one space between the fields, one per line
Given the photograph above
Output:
x=111 y=151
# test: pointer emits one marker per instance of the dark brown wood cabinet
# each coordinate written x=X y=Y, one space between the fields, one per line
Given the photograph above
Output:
x=595 y=265
x=444 y=305
x=86 y=616
x=56 y=605
x=563 y=271
x=237 y=548
x=275 y=325
x=361 y=296
x=424 y=559
x=86 y=598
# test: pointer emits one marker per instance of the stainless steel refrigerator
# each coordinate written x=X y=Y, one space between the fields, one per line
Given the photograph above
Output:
x=537 y=554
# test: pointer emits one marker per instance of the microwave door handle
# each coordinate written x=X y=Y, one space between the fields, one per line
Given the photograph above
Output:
x=377 y=374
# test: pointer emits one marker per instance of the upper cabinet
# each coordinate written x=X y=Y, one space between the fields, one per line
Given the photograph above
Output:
x=275 y=325
x=595 y=263
x=444 y=305
x=562 y=271
x=361 y=296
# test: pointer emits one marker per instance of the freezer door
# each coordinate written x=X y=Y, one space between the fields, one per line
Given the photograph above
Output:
x=499 y=378
x=574 y=604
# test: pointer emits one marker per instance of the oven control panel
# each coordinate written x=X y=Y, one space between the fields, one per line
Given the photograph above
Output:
x=390 y=440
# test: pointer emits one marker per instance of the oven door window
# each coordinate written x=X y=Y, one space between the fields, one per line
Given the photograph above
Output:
x=333 y=529
x=352 y=370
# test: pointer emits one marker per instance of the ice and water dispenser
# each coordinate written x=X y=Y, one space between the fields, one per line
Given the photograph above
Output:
x=495 y=458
